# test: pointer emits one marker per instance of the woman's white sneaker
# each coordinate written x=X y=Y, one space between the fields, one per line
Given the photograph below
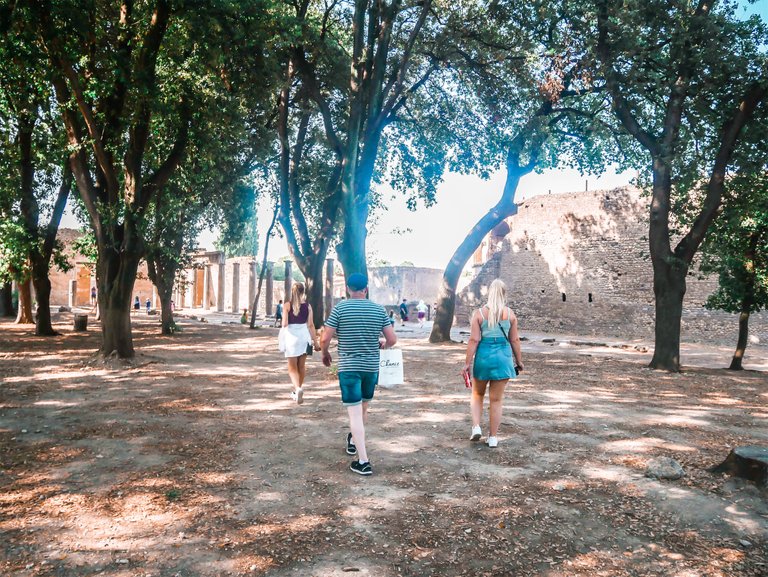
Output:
x=298 y=396
x=493 y=442
x=477 y=432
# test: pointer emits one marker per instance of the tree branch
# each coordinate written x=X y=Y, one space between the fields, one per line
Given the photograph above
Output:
x=620 y=105
x=690 y=243
x=160 y=177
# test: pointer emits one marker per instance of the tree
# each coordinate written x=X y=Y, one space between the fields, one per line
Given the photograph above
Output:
x=683 y=81
x=33 y=152
x=366 y=63
x=532 y=106
x=104 y=65
x=211 y=187
x=737 y=251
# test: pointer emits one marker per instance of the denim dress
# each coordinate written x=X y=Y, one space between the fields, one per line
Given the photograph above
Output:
x=493 y=359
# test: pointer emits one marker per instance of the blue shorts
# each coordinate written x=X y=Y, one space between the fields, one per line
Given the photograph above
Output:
x=357 y=386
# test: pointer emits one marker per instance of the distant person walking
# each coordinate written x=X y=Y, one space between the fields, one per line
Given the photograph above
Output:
x=93 y=295
x=358 y=323
x=403 y=312
x=421 y=312
x=297 y=338
x=493 y=342
x=279 y=314
x=137 y=303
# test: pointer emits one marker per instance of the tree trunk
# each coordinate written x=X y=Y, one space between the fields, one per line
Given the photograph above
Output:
x=351 y=251
x=6 y=300
x=263 y=270
x=669 y=289
x=43 y=325
x=24 y=315
x=164 y=284
x=162 y=273
x=166 y=312
x=750 y=462
x=314 y=285
x=741 y=343
x=117 y=275
x=116 y=329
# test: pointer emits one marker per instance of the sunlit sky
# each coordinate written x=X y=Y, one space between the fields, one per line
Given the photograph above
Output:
x=428 y=236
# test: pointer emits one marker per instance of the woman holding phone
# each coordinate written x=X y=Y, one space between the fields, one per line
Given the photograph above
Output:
x=493 y=357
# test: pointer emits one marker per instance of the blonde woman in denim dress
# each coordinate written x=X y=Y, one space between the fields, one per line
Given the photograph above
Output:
x=493 y=353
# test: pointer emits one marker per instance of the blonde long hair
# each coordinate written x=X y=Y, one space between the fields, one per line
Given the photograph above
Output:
x=297 y=297
x=497 y=302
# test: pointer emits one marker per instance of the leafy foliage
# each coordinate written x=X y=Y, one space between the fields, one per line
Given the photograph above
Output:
x=737 y=247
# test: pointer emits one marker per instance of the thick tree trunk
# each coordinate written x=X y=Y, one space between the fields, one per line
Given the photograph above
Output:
x=741 y=343
x=351 y=251
x=43 y=325
x=6 y=300
x=314 y=286
x=24 y=315
x=669 y=289
x=117 y=275
x=116 y=329
x=446 y=306
x=750 y=462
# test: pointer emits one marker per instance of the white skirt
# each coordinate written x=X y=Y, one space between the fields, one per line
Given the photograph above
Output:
x=293 y=340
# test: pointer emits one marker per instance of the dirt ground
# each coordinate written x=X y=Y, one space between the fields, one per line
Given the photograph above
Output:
x=195 y=462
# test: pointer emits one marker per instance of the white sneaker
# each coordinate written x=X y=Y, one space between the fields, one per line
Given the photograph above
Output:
x=492 y=442
x=477 y=432
x=298 y=396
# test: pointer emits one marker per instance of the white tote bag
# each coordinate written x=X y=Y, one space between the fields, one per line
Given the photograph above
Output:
x=390 y=368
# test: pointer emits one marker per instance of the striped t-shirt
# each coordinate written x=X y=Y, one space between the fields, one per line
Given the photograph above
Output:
x=358 y=324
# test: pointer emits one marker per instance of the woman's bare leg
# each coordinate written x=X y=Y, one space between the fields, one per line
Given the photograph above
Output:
x=293 y=372
x=496 y=397
x=476 y=401
x=302 y=367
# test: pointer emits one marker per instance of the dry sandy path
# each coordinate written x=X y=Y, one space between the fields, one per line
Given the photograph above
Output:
x=196 y=463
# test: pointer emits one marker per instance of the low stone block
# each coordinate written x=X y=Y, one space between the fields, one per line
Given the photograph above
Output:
x=664 y=468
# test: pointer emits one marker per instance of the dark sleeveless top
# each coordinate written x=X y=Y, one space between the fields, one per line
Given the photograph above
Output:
x=301 y=318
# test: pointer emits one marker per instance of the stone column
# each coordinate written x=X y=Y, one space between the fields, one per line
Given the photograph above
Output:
x=288 y=281
x=196 y=288
x=236 y=287
x=222 y=285
x=206 y=286
x=72 y=293
x=328 y=287
x=252 y=280
x=154 y=297
x=268 y=297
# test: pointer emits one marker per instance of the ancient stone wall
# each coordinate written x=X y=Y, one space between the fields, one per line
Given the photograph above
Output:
x=579 y=264
x=389 y=285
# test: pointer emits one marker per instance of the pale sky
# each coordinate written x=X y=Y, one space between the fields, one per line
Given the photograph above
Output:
x=429 y=236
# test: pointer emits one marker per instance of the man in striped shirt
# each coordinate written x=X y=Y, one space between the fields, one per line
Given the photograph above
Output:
x=357 y=322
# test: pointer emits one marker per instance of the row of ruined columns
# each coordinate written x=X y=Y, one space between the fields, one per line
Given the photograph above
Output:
x=211 y=298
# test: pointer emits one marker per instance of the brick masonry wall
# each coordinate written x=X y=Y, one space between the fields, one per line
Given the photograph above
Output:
x=579 y=263
x=389 y=285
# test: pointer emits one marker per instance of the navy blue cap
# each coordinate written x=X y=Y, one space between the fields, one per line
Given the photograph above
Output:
x=357 y=281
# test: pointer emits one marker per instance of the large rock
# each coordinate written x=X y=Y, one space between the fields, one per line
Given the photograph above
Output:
x=664 y=468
